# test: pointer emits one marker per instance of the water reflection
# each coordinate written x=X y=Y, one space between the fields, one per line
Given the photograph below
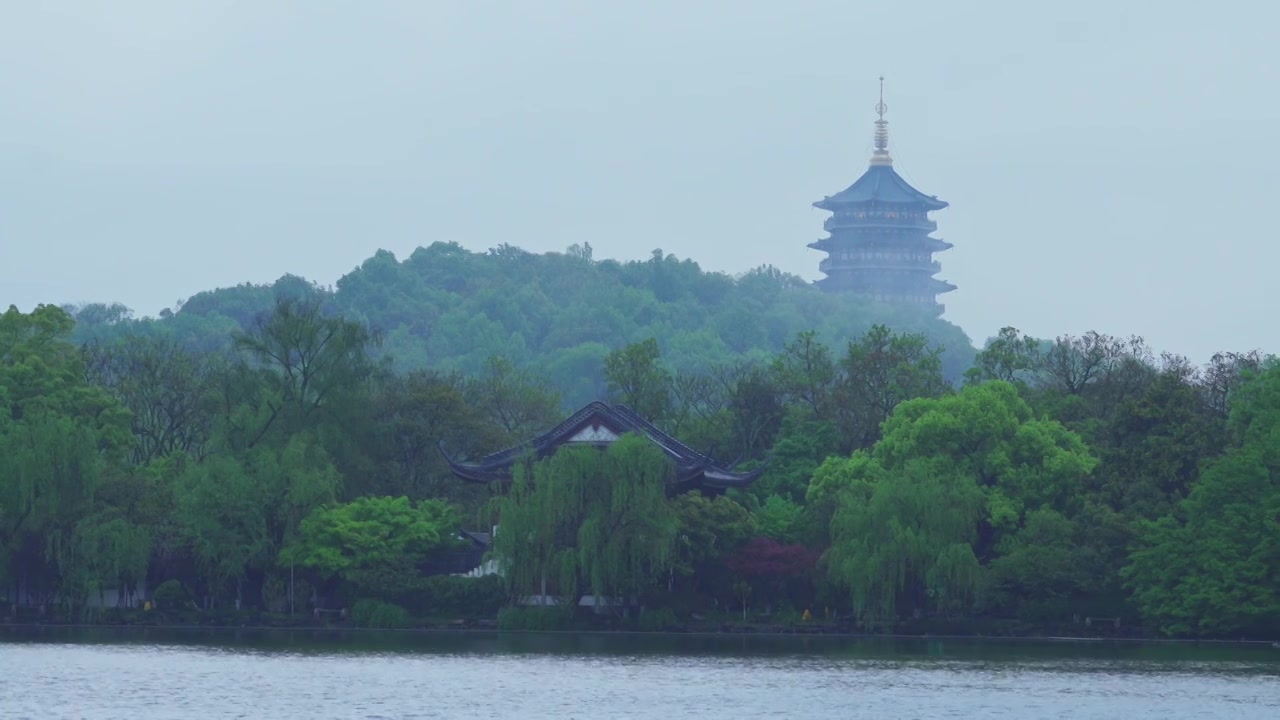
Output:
x=1078 y=656
x=163 y=673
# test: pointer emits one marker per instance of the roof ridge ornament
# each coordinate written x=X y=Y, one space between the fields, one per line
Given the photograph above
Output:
x=881 y=155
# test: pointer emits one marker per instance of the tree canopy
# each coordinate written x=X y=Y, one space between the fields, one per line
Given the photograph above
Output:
x=270 y=448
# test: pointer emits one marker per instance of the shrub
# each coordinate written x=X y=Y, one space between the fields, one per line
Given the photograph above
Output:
x=658 y=620
x=171 y=595
x=451 y=595
x=513 y=619
x=375 y=614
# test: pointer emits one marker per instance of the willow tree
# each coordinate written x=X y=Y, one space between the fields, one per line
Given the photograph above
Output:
x=919 y=516
x=588 y=520
x=106 y=551
x=905 y=538
x=57 y=434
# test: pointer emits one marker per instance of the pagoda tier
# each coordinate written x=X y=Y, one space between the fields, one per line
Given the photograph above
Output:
x=599 y=425
x=879 y=245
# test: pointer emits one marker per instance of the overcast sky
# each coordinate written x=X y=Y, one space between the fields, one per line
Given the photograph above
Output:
x=1110 y=165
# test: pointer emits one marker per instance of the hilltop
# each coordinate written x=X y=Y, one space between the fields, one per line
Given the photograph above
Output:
x=554 y=314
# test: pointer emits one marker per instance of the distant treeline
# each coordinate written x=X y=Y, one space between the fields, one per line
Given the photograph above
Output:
x=555 y=315
x=262 y=445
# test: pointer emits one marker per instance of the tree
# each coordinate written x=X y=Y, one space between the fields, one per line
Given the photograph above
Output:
x=771 y=568
x=881 y=370
x=1224 y=373
x=780 y=518
x=237 y=512
x=374 y=543
x=57 y=434
x=636 y=378
x=311 y=362
x=801 y=446
x=918 y=515
x=806 y=374
x=709 y=530
x=1052 y=566
x=412 y=414
x=106 y=551
x=1213 y=567
x=907 y=542
x=222 y=511
x=166 y=389
x=1010 y=356
x=1154 y=444
x=1094 y=373
x=755 y=407
x=588 y=520
x=1216 y=573
x=514 y=400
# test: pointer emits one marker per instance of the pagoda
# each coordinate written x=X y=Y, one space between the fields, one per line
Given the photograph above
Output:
x=598 y=425
x=879 y=246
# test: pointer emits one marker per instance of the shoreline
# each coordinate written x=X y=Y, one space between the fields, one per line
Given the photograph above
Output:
x=703 y=634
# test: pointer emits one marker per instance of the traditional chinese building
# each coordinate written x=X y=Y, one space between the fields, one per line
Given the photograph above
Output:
x=880 y=246
x=599 y=425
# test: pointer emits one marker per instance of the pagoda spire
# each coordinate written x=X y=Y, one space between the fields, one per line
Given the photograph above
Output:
x=881 y=155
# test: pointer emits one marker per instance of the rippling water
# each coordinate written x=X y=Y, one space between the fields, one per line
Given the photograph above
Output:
x=145 y=675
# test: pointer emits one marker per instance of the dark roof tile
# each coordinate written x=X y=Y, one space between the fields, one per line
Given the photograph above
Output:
x=599 y=423
x=880 y=183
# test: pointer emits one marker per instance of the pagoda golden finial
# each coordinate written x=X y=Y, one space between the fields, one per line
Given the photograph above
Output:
x=881 y=155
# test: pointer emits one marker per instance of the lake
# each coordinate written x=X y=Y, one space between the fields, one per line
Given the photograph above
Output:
x=145 y=674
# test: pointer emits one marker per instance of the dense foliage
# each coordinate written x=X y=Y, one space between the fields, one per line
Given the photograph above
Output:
x=276 y=449
x=556 y=315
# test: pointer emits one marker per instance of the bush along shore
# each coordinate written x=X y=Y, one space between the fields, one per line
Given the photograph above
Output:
x=378 y=616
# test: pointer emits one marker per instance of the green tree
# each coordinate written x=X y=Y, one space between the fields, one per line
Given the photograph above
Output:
x=1216 y=573
x=1154 y=444
x=222 y=510
x=636 y=378
x=57 y=435
x=586 y=520
x=710 y=529
x=952 y=477
x=780 y=518
x=1212 y=568
x=237 y=512
x=167 y=390
x=313 y=365
x=806 y=374
x=1054 y=566
x=801 y=446
x=881 y=370
x=412 y=414
x=1010 y=357
x=106 y=551
x=514 y=400
x=374 y=543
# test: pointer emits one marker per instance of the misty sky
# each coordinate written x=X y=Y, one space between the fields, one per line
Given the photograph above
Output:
x=1110 y=165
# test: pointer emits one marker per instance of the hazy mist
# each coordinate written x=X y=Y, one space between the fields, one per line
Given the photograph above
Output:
x=1110 y=166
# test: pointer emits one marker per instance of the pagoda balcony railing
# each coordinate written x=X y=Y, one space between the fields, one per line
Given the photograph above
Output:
x=878 y=220
x=862 y=263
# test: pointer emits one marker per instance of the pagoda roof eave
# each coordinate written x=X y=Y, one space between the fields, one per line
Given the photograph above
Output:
x=880 y=183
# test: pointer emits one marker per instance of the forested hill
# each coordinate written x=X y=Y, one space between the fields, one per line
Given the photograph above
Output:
x=555 y=314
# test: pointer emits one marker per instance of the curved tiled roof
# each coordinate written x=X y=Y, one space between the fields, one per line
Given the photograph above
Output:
x=880 y=183
x=692 y=467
